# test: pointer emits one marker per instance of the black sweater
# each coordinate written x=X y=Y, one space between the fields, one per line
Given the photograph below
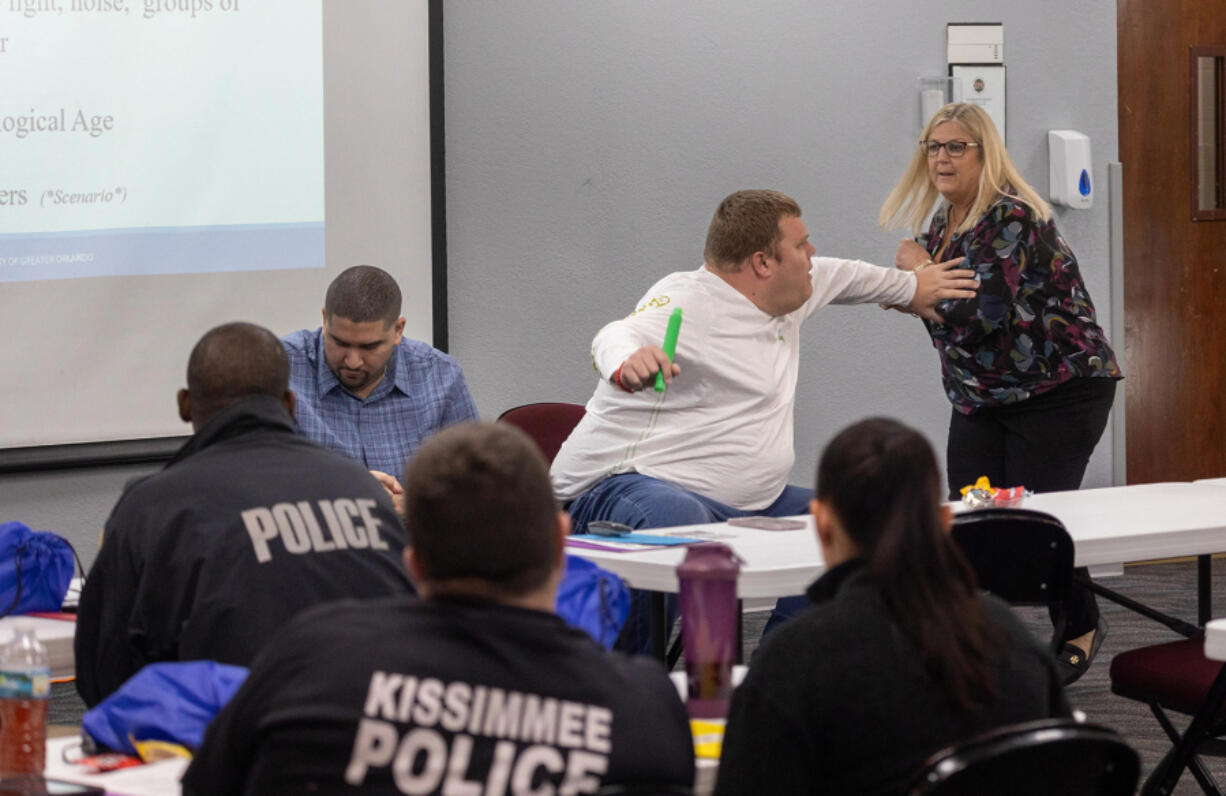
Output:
x=838 y=700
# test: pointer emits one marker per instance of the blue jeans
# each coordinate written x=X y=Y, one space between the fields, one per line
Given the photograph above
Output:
x=642 y=502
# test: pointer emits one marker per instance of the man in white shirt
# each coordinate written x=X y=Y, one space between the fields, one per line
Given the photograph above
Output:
x=717 y=443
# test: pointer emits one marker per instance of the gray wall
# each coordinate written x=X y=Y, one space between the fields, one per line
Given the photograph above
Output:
x=588 y=143
x=74 y=503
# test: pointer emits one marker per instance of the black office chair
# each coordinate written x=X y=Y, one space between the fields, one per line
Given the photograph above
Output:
x=1024 y=557
x=1051 y=756
x=1176 y=676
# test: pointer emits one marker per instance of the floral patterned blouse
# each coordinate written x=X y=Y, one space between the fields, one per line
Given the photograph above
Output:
x=1032 y=325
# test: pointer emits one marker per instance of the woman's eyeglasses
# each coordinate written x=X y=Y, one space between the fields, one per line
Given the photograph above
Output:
x=956 y=149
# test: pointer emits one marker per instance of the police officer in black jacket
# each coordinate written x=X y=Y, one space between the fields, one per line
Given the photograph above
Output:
x=248 y=524
x=477 y=687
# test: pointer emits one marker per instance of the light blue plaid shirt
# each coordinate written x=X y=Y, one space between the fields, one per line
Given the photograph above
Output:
x=422 y=391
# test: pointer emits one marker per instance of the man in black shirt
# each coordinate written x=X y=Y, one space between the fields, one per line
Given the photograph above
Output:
x=248 y=524
x=478 y=687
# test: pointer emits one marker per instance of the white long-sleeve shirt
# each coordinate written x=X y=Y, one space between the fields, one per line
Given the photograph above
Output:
x=723 y=428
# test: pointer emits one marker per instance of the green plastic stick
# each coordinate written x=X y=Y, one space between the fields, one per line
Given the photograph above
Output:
x=670 y=344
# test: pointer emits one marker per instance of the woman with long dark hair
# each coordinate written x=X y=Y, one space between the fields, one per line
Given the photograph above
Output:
x=898 y=656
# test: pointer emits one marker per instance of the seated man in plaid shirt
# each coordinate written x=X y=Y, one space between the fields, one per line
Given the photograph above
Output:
x=363 y=388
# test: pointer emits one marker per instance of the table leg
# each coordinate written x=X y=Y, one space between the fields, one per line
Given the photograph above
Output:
x=1186 y=629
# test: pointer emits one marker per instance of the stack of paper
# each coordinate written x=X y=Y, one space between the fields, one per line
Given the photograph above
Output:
x=56 y=634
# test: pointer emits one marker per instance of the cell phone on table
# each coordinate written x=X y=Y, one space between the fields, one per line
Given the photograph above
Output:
x=609 y=528
x=39 y=786
x=767 y=523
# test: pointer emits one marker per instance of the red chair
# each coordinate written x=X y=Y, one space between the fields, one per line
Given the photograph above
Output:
x=1177 y=676
x=549 y=424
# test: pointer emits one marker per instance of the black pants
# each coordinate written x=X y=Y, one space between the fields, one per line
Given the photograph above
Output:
x=1043 y=443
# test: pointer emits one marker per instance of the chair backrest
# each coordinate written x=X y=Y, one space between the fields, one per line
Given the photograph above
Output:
x=1051 y=756
x=1022 y=556
x=549 y=424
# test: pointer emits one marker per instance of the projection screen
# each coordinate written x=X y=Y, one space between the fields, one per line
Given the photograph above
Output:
x=169 y=165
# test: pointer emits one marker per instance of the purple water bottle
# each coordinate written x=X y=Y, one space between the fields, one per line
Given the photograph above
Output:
x=709 y=618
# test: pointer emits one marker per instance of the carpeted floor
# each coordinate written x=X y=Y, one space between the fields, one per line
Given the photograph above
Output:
x=1170 y=587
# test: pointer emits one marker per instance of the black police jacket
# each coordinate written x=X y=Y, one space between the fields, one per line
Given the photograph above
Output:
x=248 y=524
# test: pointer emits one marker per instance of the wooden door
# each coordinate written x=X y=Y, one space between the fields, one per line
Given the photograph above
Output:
x=1174 y=266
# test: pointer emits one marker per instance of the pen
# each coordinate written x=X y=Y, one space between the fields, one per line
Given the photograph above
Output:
x=670 y=344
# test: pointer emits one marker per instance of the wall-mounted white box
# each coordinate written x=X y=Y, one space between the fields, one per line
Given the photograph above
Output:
x=978 y=43
x=1070 y=172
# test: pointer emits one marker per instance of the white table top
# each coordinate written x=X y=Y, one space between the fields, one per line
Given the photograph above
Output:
x=1116 y=525
x=155 y=779
x=1113 y=525
x=1215 y=640
x=775 y=562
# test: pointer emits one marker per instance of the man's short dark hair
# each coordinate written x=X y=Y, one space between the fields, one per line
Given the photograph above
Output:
x=744 y=223
x=233 y=361
x=363 y=294
x=479 y=505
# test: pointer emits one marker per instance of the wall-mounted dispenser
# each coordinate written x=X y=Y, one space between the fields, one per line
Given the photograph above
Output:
x=1071 y=177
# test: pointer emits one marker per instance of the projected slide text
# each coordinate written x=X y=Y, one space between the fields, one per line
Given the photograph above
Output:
x=160 y=136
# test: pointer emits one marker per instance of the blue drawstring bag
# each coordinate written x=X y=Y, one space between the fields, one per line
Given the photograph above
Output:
x=163 y=702
x=593 y=599
x=35 y=569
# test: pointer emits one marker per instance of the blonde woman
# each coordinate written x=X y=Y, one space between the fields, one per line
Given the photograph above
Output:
x=1025 y=364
